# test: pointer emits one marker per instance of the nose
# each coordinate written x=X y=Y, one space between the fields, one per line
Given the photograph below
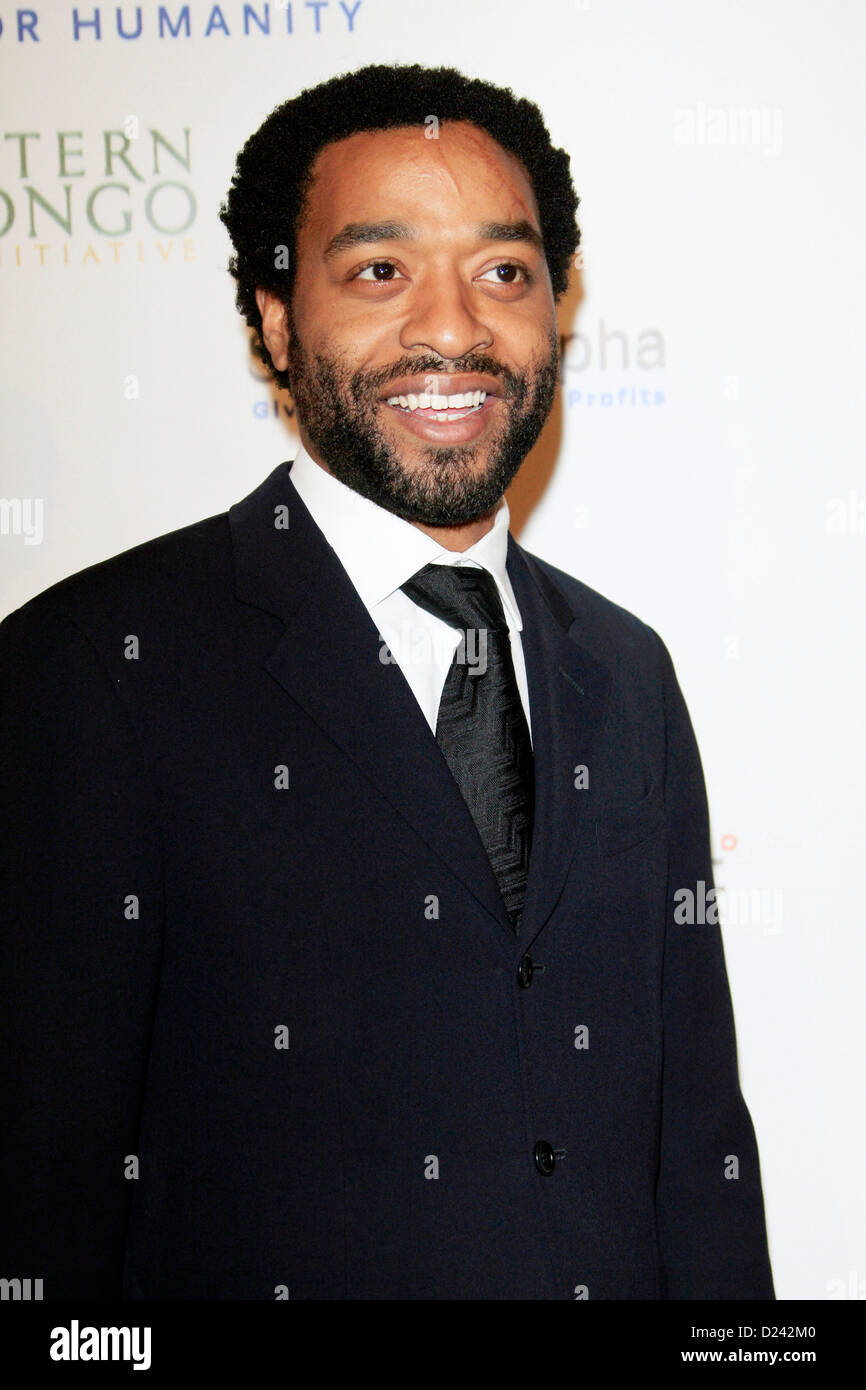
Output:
x=444 y=318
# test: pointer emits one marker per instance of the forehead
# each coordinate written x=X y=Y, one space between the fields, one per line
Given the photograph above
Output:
x=374 y=174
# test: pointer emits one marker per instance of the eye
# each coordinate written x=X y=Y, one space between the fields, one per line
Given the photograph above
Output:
x=375 y=267
x=512 y=270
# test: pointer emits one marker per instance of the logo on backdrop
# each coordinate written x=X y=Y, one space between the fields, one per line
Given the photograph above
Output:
x=114 y=195
x=89 y=24
x=605 y=368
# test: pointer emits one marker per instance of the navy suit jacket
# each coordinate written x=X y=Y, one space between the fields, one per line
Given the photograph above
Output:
x=269 y=1031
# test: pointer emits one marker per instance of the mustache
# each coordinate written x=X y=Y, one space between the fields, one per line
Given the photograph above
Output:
x=369 y=384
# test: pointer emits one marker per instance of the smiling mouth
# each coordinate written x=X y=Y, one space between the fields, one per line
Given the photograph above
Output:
x=428 y=406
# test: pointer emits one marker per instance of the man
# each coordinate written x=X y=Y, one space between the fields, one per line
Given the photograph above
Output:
x=344 y=835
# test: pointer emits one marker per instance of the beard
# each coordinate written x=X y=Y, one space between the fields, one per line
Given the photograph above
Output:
x=340 y=411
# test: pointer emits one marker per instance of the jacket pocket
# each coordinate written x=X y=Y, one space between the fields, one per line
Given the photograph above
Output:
x=624 y=830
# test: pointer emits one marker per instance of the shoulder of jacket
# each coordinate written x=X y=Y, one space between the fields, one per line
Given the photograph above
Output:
x=598 y=623
x=170 y=570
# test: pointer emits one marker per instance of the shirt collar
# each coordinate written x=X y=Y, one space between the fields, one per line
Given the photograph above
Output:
x=380 y=551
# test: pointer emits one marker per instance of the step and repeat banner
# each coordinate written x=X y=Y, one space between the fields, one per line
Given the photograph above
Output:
x=703 y=466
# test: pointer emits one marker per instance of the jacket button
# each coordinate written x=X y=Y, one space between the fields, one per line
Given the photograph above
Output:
x=545 y=1159
x=525 y=972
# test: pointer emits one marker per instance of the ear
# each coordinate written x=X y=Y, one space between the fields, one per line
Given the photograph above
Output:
x=275 y=328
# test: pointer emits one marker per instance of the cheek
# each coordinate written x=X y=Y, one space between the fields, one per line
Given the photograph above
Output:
x=349 y=343
x=521 y=334
x=536 y=334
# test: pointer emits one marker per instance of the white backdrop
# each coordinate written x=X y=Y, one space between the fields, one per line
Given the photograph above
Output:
x=704 y=468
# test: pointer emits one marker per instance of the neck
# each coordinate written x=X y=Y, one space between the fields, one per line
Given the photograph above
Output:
x=460 y=537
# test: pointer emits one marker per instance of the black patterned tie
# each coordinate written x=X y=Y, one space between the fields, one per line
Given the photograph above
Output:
x=481 y=727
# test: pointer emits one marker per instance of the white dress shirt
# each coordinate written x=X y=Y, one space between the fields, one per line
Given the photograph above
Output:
x=380 y=551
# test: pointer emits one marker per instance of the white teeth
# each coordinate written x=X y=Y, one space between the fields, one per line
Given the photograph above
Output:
x=469 y=400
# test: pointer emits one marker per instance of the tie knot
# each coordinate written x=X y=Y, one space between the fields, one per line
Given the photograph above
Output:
x=460 y=595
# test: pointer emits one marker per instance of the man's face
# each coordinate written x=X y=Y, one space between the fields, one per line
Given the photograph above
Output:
x=420 y=277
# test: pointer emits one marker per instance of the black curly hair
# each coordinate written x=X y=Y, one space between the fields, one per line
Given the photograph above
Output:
x=273 y=170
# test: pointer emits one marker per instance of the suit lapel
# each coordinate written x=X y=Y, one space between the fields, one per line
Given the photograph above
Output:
x=568 y=696
x=328 y=661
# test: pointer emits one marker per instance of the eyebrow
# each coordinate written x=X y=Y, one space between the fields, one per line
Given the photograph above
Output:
x=361 y=233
